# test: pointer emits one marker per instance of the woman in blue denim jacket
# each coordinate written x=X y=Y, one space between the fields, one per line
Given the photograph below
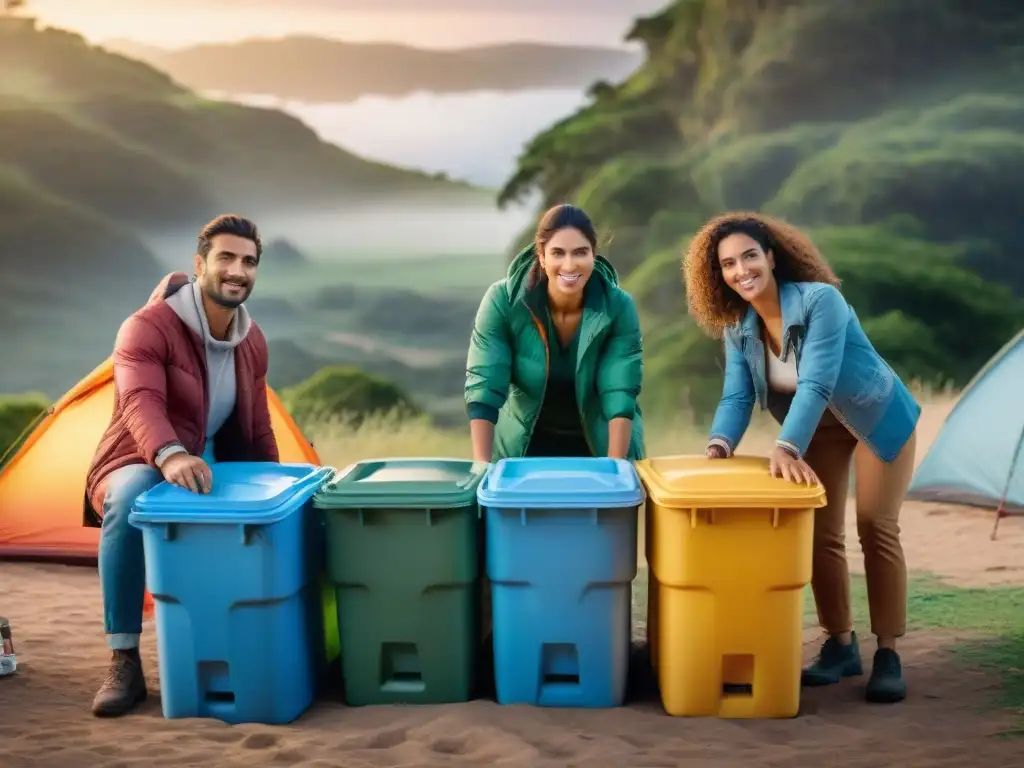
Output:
x=796 y=348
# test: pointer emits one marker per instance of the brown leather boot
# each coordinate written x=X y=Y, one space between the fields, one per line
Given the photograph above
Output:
x=124 y=688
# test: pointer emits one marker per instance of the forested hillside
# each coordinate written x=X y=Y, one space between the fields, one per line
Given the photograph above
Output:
x=98 y=153
x=893 y=130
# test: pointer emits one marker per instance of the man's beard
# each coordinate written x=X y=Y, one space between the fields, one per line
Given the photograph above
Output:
x=218 y=298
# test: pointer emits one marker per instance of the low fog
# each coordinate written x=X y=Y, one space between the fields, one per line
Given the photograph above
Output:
x=397 y=228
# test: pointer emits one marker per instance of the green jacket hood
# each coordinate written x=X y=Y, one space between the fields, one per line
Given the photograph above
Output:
x=507 y=368
x=519 y=271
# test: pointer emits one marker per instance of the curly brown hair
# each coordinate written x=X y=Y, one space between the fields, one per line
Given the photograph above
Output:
x=712 y=303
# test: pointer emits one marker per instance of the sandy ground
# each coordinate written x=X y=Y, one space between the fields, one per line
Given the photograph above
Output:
x=946 y=721
x=45 y=719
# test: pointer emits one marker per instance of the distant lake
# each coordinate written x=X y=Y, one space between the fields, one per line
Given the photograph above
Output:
x=471 y=136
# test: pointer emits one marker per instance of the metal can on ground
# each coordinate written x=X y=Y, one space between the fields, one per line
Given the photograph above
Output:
x=8 y=661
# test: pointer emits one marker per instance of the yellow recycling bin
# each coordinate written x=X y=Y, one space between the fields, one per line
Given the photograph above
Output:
x=728 y=554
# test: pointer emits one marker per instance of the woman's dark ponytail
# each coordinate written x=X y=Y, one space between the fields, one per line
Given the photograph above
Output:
x=536 y=275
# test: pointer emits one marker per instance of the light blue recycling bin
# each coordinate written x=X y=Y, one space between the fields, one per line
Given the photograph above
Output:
x=561 y=558
x=234 y=576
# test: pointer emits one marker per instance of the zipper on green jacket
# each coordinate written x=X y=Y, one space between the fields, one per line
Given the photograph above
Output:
x=547 y=374
x=583 y=418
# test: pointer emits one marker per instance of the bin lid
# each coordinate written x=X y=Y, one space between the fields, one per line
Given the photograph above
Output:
x=242 y=492
x=561 y=483
x=403 y=483
x=739 y=481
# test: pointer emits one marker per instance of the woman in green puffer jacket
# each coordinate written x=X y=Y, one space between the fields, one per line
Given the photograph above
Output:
x=556 y=357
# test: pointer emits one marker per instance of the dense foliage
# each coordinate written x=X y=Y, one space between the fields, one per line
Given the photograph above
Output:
x=893 y=131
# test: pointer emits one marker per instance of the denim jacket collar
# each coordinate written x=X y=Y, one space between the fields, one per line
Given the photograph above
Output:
x=791 y=302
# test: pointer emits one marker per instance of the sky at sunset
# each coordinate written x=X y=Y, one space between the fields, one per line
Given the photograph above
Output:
x=425 y=23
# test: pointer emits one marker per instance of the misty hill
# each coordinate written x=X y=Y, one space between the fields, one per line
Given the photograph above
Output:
x=316 y=69
x=98 y=153
x=895 y=131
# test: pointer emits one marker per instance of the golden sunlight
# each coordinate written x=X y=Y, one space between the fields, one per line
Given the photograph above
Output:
x=186 y=22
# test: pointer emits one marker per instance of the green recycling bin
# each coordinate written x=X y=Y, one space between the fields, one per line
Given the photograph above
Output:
x=402 y=557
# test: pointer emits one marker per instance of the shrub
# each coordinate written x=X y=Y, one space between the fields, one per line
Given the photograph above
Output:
x=17 y=413
x=347 y=394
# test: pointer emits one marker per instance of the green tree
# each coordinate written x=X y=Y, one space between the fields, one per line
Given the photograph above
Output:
x=905 y=168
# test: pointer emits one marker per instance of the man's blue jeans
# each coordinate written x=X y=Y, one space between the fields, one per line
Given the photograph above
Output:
x=121 y=560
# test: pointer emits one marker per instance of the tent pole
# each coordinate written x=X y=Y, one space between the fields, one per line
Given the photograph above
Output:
x=1000 y=513
x=999 y=516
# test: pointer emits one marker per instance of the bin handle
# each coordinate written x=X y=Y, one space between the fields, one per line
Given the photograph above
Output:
x=776 y=517
x=247 y=532
x=595 y=516
x=428 y=512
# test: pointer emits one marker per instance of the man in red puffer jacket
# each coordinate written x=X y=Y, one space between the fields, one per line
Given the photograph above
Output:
x=190 y=384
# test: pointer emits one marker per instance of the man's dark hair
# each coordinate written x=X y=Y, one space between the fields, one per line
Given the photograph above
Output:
x=228 y=224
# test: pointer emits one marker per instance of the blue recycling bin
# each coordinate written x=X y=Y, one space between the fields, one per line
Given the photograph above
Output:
x=234 y=576
x=561 y=557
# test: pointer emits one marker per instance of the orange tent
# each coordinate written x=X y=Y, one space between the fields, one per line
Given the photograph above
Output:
x=42 y=483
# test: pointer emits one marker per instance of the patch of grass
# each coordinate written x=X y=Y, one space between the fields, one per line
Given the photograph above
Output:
x=392 y=436
x=1003 y=655
x=384 y=436
x=638 y=611
x=993 y=616
x=933 y=604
